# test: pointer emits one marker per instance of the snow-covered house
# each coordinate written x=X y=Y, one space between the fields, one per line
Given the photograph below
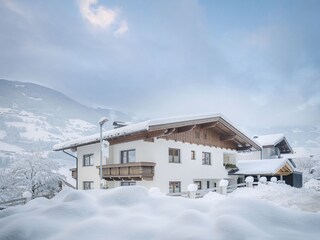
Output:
x=273 y=146
x=167 y=153
x=273 y=160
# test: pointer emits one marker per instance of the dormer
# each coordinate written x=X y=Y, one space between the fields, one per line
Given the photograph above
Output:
x=273 y=145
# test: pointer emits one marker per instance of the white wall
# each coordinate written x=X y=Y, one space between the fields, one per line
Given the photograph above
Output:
x=185 y=172
x=89 y=173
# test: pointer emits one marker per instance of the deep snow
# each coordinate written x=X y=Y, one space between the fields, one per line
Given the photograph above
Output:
x=136 y=213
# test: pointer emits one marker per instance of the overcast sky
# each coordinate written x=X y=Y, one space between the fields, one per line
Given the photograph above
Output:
x=257 y=62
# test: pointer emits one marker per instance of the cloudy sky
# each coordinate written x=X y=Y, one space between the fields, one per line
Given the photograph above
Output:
x=257 y=62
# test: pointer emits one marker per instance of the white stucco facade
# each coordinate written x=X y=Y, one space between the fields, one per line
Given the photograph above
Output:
x=185 y=172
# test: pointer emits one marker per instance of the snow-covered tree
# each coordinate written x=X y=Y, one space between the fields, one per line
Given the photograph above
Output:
x=33 y=173
x=309 y=166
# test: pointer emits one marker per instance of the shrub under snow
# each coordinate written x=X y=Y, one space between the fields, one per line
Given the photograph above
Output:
x=192 y=187
x=263 y=180
x=249 y=179
x=223 y=183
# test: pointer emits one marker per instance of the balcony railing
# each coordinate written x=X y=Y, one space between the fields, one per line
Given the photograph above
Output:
x=135 y=171
x=73 y=173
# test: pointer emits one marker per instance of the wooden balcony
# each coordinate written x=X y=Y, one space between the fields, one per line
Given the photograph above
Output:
x=135 y=171
x=73 y=173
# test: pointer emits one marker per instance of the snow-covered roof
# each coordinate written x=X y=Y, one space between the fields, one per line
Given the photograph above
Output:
x=263 y=167
x=152 y=125
x=270 y=139
x=274 y=140
x=143 y=126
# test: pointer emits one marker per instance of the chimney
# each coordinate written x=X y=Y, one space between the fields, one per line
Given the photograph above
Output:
x=119 y=124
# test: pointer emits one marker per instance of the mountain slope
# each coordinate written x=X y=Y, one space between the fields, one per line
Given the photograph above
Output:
x=33 y=118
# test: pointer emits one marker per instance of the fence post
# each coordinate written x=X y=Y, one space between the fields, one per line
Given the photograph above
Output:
x=249 y=181
x=274 y=179
x=27 y=195
x=223 y=184
x=192 y=188
x=263 y=180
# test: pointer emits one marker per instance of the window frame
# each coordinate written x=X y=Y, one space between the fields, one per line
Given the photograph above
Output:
x=91 y=185
x=206 y=161
x=91 y=160
x=193 y=155
x=127 y=183
x=199 y=183
x=174 y=188
x=172 y=157
x=123 y=152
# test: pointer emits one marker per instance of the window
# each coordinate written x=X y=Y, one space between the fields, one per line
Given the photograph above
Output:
x=174 y=155
x=87 y=185
x=206 y=158
x=88 y=160
x=128 y=183
x=193 y=155
x=174 y=187
x=198 y=183
x=208 y=184
x=128 y=156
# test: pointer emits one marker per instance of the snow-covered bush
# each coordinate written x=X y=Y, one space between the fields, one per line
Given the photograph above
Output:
x=192 y=187
x=30 y=173
x=223 y=183
x=313 y=184
x=263 y=180
x=309 y=166
x=249 y=179
x=274 y=179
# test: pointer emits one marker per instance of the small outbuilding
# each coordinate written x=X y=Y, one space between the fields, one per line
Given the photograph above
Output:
x=283 y=168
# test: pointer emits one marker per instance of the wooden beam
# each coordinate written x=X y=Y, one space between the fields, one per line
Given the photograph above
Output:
x=151 y=139
x=209 y=125
x=185 y=129
x=227 y=138
x=168 y=132
x=243 y=148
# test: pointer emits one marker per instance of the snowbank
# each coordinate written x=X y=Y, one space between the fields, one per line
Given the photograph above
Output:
x=313 y=184
x=135 y=213
x=282 y=195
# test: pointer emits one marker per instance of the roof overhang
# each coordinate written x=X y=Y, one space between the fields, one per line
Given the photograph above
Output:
x=284 y=146
x=160 y=128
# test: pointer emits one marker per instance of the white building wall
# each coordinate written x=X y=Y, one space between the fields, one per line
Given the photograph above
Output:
x=185 y=172
x=89 y=173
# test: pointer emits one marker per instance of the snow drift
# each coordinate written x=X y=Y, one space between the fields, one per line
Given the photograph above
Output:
x=136 y=213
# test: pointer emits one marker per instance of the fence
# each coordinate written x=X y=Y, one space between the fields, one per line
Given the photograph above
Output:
x=20 y=201
x=201 y=193
x=13 y=202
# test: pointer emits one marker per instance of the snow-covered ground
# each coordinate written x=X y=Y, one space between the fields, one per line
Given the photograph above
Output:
x=265 y=212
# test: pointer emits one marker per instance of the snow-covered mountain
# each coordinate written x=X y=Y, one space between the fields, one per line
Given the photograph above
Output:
x=34 y=117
